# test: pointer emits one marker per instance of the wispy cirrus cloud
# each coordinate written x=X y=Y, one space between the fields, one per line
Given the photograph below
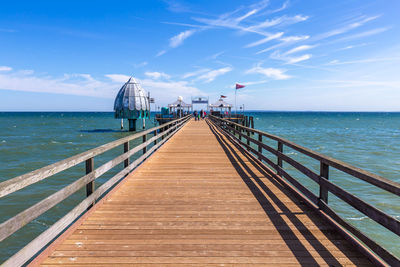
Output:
x=286 y=41
x=273 y=73
x=293 y=60
x=195 y=73
x=364 y=34
x=213 y=74
x=157 y=75
x=178 y=39
x=266 y=39
x=346 y=28
x=162 y=52
x=361 y=61
x=299 y=49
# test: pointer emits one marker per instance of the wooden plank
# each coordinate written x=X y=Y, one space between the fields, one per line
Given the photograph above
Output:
x=209 y=213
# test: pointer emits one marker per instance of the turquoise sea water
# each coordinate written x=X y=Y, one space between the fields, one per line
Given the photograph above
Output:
x=32 y=140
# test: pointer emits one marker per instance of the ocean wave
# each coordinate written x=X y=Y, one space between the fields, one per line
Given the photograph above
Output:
x=41 y=223
x=357 y=218
x=4 y=141
x=54 y=142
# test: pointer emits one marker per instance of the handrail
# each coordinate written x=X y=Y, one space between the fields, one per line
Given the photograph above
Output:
x=235 y=131
x=35 y=176
x=374 y=179
x=15 y=223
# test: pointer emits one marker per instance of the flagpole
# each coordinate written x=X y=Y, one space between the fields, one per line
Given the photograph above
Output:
x=235 y=103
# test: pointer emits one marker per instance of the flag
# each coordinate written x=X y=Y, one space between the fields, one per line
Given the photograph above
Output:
x=223 y=96
x=238 y=86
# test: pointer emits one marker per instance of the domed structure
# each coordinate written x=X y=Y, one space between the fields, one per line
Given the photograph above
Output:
x=132 y=103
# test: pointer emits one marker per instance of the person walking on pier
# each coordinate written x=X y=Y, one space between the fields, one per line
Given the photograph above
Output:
x=195 y=115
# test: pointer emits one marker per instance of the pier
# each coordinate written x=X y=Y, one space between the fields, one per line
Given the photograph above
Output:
x=202 y=193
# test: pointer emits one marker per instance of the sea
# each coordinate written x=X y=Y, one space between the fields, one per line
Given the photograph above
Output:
x=31 y=140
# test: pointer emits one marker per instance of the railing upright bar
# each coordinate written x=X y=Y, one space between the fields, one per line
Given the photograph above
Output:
x=155 y=134
x=89 y=186
x=279 y=159
x=126 y=149
x=144 y=139
x=259 y=146
x=323 y=192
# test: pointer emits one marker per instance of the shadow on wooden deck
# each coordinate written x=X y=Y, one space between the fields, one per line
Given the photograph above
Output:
x=261 y=191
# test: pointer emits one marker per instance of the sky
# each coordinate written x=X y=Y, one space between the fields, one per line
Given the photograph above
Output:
x=292 y=55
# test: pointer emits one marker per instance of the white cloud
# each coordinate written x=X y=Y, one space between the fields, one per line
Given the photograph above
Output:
x=293 y=60
x=295 y=38
x=162 y=52
x=273 y=73
x=86 y=85
x=213 y=74
x=368 y=60
x=5 y=68
x=299 y=49
x=353 y=25
x=70 y=84
x=141 y=64
x=364 y=34
x=194 y=73
x=119 y=78
x=177 y=40
x=283 y=20
x=166 y=92
x=157 y=75
x=285 y=42
x=267 y=39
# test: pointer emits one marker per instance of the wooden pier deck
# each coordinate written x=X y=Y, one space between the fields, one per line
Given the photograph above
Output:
x=199 y=200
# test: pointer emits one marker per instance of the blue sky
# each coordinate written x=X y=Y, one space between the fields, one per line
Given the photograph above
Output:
x=291 y=55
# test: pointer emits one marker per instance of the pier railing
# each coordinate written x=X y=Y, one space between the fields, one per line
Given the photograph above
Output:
x=243 y=136
x=156 y=136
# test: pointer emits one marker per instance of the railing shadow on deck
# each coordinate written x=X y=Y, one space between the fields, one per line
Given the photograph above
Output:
x=378 y=254
x=252 y=180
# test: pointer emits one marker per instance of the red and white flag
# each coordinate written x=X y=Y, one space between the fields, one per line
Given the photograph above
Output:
x=238 y=86
x=223 y=96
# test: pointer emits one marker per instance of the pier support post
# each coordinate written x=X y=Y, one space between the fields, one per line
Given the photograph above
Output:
x=132 y=125
x=279 y=160
x=324 y=172
x=90 y=186
x=248 y=139
x=126 y=149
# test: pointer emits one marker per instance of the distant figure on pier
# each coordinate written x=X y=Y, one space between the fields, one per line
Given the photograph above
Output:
x=195 y=115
